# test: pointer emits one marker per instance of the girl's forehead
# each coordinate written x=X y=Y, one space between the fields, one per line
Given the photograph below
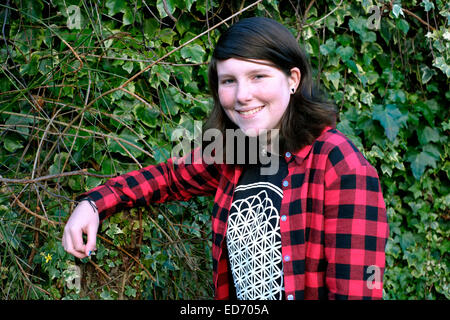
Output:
x=248 y=61
x=244 y=64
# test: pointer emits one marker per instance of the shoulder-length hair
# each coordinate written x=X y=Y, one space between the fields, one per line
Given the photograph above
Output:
x=260 y=38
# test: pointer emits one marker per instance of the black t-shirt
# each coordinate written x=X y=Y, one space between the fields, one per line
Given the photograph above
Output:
x=253 y=234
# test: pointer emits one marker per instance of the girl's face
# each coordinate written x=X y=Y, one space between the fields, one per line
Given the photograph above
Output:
x=254 y=95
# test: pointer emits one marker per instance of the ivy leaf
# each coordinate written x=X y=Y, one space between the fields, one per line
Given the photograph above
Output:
x=427 y=5
x=161 y=154
x=345 y=52
x=167 y=102
x=130 y=291
x=368 y=36
x=167 y=35
x=440 y=63
x=128 y=17
x=426 y=73
x=334 y=77
x=366 y=97
x=115 y=6
x=403 y=26
x=427 y=135
x=150 y=27
x=397 y=10
x=34 y=8
x=407 y=240
x=328 y=47
x=76 y=182
x=390 y=118
x=119 y=146
x=58 y=163
x=419 y=161
x=357 y=24
x=162 y=11
x=372 y=77
x=193 y=53
x=147 y=115
x=32 y=67
x=352 y=66
x=12 y=143
x=128 y=66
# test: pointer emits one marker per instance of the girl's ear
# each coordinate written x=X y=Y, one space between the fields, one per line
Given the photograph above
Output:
x=294 y=78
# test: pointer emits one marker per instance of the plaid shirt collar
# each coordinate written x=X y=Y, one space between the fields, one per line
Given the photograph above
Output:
x=232 y=173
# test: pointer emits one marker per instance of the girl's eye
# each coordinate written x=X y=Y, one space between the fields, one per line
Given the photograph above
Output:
x=227 y=81
x=259 y=76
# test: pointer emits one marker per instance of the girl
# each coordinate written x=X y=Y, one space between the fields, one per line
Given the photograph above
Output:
x=314 y=228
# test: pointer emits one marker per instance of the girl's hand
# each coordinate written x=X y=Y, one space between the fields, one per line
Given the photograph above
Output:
x=84 y=219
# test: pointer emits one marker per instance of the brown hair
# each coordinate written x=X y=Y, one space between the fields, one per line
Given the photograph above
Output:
x=262 y=38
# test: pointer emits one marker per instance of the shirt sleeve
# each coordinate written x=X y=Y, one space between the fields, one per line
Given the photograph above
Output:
x=356 y=228
x=176 y=179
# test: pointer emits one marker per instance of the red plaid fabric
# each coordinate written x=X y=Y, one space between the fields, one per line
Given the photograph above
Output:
x=333 y=228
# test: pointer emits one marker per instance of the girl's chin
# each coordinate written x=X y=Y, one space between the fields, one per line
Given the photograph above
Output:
x=252 y=132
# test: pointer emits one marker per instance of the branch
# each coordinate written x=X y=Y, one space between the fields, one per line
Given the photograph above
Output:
x=418 y=18
x=82 y=172
x=166 y=9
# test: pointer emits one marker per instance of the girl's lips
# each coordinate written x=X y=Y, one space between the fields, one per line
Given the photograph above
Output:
x=250 y=112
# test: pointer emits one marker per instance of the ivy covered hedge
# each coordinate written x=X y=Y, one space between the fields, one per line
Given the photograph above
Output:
x=91 y=89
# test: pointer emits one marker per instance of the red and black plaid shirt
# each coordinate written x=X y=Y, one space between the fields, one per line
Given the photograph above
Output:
x=334 y=226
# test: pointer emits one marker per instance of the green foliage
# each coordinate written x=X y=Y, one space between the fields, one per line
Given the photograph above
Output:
x=73 y=113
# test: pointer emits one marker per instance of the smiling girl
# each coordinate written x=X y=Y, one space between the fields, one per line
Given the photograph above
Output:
x=314 y=229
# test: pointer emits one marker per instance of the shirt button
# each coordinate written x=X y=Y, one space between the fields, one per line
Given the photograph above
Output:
x=287 y=258
x=288 y=154
x=285 y=183
x=283 y=218
x=290 y=297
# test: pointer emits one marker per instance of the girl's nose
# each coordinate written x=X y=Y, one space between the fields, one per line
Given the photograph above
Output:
x=243 y=93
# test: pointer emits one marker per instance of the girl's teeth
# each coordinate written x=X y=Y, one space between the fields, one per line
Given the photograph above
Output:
x=245 y=113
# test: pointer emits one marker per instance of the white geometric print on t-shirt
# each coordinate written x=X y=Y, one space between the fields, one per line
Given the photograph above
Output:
x=254 y=245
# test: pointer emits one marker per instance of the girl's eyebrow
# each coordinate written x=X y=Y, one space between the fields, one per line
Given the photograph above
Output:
x=252 y=71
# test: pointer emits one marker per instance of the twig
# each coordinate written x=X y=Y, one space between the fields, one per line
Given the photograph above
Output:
x=305 y=16
x=82 y=172
x=33 y=172
x=75 y=53
x=166 y=9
